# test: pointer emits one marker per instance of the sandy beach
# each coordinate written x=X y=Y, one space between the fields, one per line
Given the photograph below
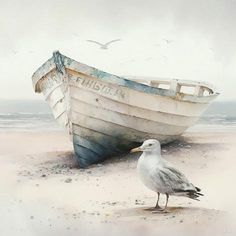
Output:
x=114 y=73
x=43 y=193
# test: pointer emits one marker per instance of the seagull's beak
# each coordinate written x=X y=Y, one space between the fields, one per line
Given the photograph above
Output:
x=138 y=149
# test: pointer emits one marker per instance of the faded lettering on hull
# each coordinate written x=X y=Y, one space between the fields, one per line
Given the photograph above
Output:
x=98 y=86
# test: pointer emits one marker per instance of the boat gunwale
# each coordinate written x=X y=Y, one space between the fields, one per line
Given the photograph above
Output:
x=50 y=65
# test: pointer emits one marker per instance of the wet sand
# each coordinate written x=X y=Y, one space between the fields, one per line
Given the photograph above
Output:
x=43 y=193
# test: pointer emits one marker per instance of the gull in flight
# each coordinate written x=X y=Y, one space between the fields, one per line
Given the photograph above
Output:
x=168 y=41
x=158 y=175
x=104 y=45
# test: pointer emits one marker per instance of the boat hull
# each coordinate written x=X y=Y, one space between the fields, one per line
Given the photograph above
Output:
x=90 y=152
x=106 y=115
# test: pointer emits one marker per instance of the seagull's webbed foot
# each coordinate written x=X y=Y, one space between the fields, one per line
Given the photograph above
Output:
x=166 y=211
x=154 y=209
x=157 y=209
x=160 y=210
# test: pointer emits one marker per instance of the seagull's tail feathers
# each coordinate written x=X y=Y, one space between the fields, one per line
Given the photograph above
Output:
x=194 y=193
x=197 y=189
x=191 y=193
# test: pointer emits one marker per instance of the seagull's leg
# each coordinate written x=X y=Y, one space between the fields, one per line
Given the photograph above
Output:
x=162 y=210
x=157 y=208
x=167 y=198
x=157 y=204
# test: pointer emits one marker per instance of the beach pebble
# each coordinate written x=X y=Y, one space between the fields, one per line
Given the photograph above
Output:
x=68 y=180
x=139 y=202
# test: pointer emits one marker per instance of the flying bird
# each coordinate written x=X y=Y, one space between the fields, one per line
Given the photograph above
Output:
x=104 y=45
x=168 y=41
x=158 y=175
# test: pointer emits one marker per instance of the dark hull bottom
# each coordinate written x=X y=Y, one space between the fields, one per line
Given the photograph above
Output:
x=88 y=151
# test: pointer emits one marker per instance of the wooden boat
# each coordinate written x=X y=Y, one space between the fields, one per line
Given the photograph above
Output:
x=107 y=115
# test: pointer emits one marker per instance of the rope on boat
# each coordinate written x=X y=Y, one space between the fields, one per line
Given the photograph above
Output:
x=59 y=62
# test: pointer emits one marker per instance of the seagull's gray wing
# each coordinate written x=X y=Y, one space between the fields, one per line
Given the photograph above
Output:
x=173 y=177
x=92 y=41
x=112 y=41
x=177 y=183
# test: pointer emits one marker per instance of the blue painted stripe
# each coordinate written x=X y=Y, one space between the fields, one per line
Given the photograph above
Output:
x=102 y=140
x=112 y=143
x=101 y=145
x=89 y=152
x=95 y=147
x=85 y=156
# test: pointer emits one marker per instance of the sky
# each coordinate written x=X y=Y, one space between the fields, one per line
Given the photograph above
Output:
x=184 y=39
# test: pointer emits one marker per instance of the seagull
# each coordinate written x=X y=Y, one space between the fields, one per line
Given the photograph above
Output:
x=168 y=41
x=158 y=175
x=104 y=45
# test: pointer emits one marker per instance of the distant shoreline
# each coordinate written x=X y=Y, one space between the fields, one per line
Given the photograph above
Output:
x=34 y=115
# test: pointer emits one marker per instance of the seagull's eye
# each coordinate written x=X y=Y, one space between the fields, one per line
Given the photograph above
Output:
x=150 y=144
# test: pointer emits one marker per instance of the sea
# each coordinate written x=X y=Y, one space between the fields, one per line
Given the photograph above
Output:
x=35 y=115
x=26 y=115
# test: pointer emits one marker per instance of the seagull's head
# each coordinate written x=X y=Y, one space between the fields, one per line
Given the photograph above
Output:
x=150 y=145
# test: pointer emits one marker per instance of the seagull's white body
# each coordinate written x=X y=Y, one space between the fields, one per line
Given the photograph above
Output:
x=158 y=175
x=147 y=170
